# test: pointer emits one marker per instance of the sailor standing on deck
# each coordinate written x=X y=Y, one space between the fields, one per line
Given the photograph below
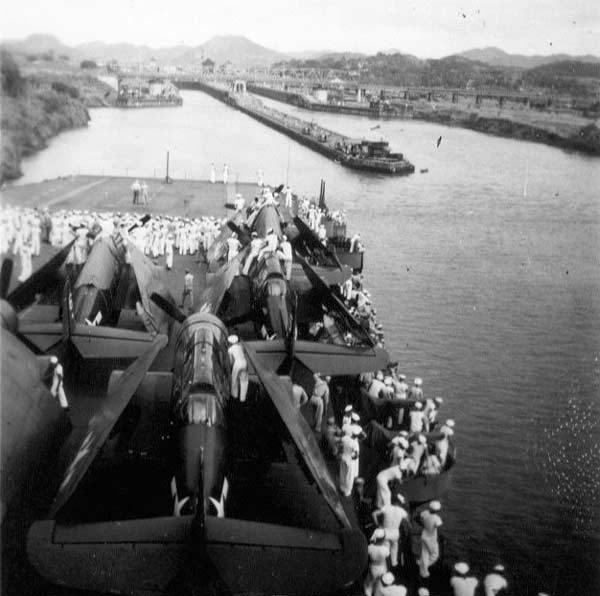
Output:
x=57 y=390
x=348 y=454
x=430 y=549
x=461 y=582
x=416 y=418
x=288 y=197
x=188 y=289
x=255 y=246
x=386 y=587
x=378 y=554
x=495 y=581
x=271 y=243
x=416 y=391
x=286 y=255
x=225 y=174
x=213 y=173
x=390 y=517
x=233 y=247
x=239 y=369
x=319 y=399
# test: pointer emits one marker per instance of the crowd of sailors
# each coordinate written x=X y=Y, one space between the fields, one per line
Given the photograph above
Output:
x=24 y=230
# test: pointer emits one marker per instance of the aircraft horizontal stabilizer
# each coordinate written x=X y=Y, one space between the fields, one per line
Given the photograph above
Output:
x=105 y=557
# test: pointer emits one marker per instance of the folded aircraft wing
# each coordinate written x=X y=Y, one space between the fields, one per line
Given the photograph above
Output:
x=213 y=295
x=40 y=281
x=334 y=304
x=217 y=249
x=301 y=434
x=150 y=280
x=103 y=421
x=307 y=242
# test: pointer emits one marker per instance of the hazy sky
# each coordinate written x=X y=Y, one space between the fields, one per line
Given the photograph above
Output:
x=426 y=28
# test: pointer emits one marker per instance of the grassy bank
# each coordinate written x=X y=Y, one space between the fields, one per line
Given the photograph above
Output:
x=565 y=130
x=40 y=106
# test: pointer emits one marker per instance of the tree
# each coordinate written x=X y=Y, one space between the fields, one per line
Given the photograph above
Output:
x=88 y=64
x=12 y=82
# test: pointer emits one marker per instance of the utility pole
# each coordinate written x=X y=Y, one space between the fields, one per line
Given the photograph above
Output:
x=167 y=178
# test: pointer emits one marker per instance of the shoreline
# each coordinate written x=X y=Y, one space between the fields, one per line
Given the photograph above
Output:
x=564 y=131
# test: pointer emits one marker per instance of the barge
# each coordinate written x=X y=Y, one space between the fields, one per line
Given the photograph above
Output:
x=356 y=154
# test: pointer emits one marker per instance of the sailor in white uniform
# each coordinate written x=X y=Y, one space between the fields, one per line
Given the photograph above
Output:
x=239 y=369
x=57 y=389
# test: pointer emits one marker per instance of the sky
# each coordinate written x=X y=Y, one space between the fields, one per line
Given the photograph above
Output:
x=425 y=28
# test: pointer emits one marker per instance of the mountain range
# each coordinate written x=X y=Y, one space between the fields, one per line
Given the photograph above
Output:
x=243 y=52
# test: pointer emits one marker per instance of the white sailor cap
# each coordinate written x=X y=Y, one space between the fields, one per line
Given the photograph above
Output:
x=402 y=377
x=378 y=534
x=355 y=417
x=438 y=400
x=359 y=480
x=418 y=382
x=461 y=568
x=233 y=339
x=447 y=431
x=404 y=433
x=401 y=499
x=254 y=234
x=388 y=381
x=395 y=441
x=435 y=506
x=348 y=409
x=387 y=579
x=53 y=360
x=418 y=405
x=403 y=442
x=499 y=568
x=379 y=375
x=423 y=591
x=270 y=231
x=450 y=423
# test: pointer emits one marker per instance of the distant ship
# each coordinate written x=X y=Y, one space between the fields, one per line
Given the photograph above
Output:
x=138 y=92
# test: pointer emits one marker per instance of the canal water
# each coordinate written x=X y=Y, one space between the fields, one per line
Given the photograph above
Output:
x=486 y=275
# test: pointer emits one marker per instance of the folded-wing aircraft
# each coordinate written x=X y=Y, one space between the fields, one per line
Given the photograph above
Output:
x=93 y=341
x=161 y=553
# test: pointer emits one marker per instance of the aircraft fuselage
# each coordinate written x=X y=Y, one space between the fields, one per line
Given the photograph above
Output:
x=95 y=289
x=200 y=391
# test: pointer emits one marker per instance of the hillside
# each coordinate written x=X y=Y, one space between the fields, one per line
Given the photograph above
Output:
x=36 y=108
x=497 y=57
x=236 y=49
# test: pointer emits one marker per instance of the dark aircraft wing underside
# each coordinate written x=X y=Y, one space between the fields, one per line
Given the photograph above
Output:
x=91 y=341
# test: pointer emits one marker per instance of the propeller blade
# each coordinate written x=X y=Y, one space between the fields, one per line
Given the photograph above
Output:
x=140 y=223
x=102 y=422
x=334 y=303
x=172 y=310
x=5 y=276
x=41 y=280
x=301 y=434
x=243 y=235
